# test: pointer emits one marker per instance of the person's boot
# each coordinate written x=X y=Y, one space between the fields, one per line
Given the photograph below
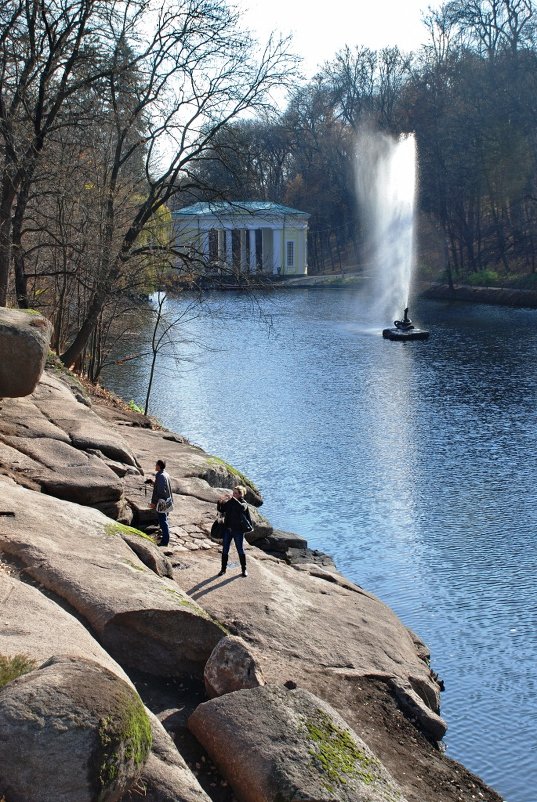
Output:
x=242 y=558
x=224 y=565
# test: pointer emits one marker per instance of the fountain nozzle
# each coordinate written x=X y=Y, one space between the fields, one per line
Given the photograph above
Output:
x=404 y=330
x=405 y=324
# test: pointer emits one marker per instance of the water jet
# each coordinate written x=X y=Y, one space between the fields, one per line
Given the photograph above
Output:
x=386 y=185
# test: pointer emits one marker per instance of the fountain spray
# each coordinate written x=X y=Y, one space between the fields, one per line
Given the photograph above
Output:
x=386 y=185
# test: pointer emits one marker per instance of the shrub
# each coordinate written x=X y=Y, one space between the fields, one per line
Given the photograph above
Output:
x=13 y=667
x=134 y=407
x=485 y=278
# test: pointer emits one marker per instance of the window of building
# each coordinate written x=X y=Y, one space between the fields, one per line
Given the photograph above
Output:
x=290 y=254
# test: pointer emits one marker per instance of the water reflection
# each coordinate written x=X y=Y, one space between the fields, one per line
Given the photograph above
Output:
x=411 y=463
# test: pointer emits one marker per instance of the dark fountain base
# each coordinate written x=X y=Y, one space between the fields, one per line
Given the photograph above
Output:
x=405 y=334
x=404 y=330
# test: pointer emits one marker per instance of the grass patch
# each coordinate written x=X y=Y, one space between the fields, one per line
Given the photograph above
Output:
x=485 y=278
x=13 y=667
x=135 y=407
x=121 y=529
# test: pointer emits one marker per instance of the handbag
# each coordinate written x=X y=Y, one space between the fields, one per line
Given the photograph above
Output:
x=164 y=504
x=246 y=524
x=218 y=528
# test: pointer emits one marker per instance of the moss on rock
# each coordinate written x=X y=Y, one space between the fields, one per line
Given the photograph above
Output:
x=335 y=753
x=123 y=737
x=195 y=608
x=243 y=479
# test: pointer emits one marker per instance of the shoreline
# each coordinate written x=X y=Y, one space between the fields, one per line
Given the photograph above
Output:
x=497 y=296
x=305 y=622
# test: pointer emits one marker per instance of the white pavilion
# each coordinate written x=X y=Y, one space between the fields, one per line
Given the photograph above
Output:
x=249 y=236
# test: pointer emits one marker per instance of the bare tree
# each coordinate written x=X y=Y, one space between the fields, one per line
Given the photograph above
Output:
x=48 y=52
x=493 y=25
x=197 y=72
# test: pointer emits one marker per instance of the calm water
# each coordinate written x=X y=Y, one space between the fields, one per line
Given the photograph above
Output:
x=413 y=465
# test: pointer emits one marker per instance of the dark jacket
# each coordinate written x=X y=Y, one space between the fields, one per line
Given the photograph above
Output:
x=162 y=487
x=233 y=511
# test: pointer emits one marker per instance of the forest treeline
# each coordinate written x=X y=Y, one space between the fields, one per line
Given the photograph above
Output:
x=469 y=95
x=113 y=112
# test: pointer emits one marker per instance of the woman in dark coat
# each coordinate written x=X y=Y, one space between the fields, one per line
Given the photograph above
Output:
x=237 y=521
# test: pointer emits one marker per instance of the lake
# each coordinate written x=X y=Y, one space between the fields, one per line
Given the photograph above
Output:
x=412 y=464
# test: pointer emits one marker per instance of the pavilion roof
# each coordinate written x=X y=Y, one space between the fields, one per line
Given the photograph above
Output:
x=218 y=208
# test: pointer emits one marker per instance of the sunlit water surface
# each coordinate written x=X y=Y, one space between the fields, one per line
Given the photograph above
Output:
x=413 y=464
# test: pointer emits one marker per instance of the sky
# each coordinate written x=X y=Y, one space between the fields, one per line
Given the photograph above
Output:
x=321 y=29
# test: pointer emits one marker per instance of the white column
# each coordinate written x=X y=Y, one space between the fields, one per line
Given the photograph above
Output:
x=229 y=247
x=243 y=249
x=221 y=248
x=252 y=251
x=301 y=255
x=204 y=234
x=276 y=249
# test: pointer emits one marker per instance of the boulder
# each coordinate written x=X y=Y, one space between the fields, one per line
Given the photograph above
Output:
x=231 y=667
x=412 y=704
x=277 y=744
x=262 y=530
x=36 y=628
x=144 y=621
x=310 y=625
x=281 y=542
x=24 y=342
x=79 y=719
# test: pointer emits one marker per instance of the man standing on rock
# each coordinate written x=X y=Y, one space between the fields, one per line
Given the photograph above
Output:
x=162 y=491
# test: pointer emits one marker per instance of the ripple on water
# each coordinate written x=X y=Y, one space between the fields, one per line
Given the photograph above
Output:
x=413 y=466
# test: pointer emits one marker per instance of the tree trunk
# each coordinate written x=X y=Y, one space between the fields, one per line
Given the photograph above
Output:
x=74 y=351
x=21 y=281
x=6 y=207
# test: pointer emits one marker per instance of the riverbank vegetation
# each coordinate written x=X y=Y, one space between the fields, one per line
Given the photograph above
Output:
x=113 y=113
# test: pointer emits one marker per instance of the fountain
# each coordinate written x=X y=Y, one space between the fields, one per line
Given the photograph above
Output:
x=386 y=185
x=404 y=330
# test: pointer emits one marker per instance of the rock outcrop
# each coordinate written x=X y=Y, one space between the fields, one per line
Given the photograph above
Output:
x=302 y=749
x=24 y=341
x=71 y=729
x=35 y=628
x=317 y=629
x=144 y=621
x=46 y=443
x=78 y=584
